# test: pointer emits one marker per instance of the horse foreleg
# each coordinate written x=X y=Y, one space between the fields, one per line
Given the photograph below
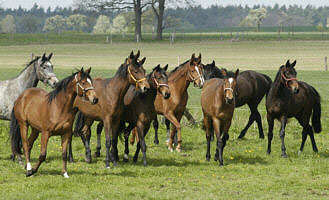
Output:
x=172 y=118
x=71 y=160
x=282 y=134
x=156 y=127
x=99 y=144
x=34 y=135
x=43 y=153
x=107 y=142
x=87 y=144
x=25 y=143
x=65 y=140
x=219 y=149
x=126 y=135
x=270 y=122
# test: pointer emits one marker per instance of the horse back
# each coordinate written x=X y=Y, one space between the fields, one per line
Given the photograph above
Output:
x=252 y=87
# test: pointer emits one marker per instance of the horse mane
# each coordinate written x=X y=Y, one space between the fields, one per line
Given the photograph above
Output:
x=29 y=64
x=122 y=71
x=230 y=74
x=278 y=74
x=179 y=67
x=62 y=85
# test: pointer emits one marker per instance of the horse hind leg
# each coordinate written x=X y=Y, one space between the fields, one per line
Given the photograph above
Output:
x=25 y=143
x=304 y=137
x=282 y=135
x=270 y=122
x=207 y=123
x=259 y=124
x=43 y=153
x=156 y=127
x=251 y=120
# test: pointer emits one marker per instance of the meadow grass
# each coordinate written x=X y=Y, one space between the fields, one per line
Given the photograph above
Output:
x=248 y=173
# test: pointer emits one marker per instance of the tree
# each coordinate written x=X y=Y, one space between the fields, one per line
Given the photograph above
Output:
x=8 y=24
x=76 y=22
x=102 y=25
x=248 y=21
x=55 y=24
x=30 y=24
x=257 y=15
x=136 y=5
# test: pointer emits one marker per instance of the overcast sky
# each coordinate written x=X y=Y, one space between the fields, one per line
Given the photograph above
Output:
x=205 y=3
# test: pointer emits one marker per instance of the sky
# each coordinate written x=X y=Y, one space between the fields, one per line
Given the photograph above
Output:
x=204 y=3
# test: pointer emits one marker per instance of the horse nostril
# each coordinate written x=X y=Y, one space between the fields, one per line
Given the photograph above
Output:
x=95 y=100
x=167 y=95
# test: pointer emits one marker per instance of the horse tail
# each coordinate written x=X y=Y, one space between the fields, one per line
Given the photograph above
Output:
x=269 y=83
x=316 y=116
x=15 y=135
x=79 y=123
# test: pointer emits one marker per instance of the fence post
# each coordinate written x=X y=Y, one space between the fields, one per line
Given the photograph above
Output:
x=326 y=63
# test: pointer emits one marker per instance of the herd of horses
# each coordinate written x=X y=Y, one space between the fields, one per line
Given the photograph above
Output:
x=131 y=100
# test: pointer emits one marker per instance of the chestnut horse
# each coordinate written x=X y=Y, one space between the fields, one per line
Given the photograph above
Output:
x=288 y=98
x=218 y=103
x=49 y=113
x=110 y=107
x=251 y=88
x=173 y=108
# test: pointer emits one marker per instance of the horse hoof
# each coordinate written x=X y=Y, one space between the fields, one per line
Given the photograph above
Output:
x=12 y=157
x=125 y=158
x=88 y=160
x=299 y=152
x=97 y=154
x=284 y=156
x=115 y=164
x=145 y=164
x=208 y=159
x=221 y=164
x=71 y=160
x=156 y=142
x=261 y=137
x=135 y=159
x=178 y=149
x=66 y=175
x=170 y=149
x=29 y=173
x=215 y=159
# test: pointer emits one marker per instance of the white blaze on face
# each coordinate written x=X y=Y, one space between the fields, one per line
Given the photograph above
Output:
x=201 y=78
x=89 y=81
x=49 y=64
x=230 y=80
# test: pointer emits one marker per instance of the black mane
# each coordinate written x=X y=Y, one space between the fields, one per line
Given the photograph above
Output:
x=278 y=74
x=178 y=67
x=62 y=85
x=122 y=71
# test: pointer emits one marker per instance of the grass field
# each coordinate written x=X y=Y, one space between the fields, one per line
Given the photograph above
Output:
x=248 y=173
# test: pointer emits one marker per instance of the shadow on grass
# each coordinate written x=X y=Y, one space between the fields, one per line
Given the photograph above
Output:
x=246 y=160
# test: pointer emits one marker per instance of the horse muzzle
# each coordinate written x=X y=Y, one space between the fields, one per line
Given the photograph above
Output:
x=52 y=81
x=229 y=101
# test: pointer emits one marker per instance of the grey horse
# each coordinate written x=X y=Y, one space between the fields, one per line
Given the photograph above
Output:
x=39 y=69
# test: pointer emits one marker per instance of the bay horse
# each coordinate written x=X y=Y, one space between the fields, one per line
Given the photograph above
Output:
x=218 y=103
x=139 y=112
x=49 y=113
x=251 y=87
x=289 y=98
x=38 y=69
x=110 y=107
x=173 y=108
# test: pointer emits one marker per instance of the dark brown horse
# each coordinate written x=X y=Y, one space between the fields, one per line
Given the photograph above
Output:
x=173 y=108
x=49 y=113
x=251 y=88
x=218 y=103
x=288 y=98
x=110 y=107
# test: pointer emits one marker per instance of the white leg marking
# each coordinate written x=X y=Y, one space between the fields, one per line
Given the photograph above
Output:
x=125 y=156
x=28 y=166
x=66 y=175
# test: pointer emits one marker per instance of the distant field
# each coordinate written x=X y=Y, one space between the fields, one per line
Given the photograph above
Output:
x=244 y=55
x=248 y=173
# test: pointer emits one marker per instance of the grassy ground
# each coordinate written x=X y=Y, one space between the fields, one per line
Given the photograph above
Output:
x=248 y=172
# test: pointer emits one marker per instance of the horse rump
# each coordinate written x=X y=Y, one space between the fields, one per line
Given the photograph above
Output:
x=15 y=135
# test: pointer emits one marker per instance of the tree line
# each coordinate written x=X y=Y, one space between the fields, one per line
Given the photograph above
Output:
x=137 y=16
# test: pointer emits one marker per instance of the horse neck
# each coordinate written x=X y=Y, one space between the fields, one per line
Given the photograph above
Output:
x=121 y=87
x=28 y=77
x=66 y=98
x=278 y=88
x=180 y=79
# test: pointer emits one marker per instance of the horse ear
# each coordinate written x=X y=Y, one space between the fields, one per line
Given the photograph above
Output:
x=88 y=70
x=287 y=63
x=213 y=63
x=292 y=65
x=199 y=56
x=81 y=69
x=138 y=54
x=223 y=71
x=44 y=57
x=236 y=74
x=155 y=68
x=142 y=61
x=50 y=55
x=132 y=55
x=166 y=67
x=192 y=58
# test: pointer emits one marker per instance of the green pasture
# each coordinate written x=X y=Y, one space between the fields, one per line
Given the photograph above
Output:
x=248 y=173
